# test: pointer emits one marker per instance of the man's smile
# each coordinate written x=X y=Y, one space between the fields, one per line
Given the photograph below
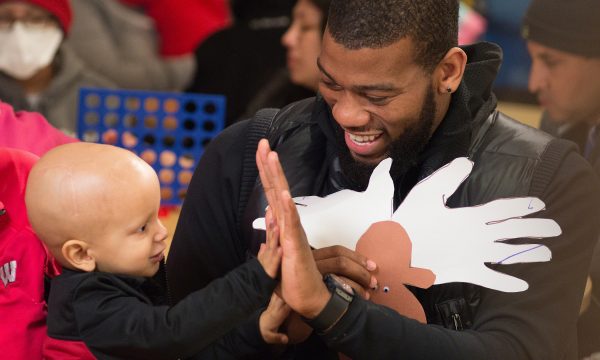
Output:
x=366 y=145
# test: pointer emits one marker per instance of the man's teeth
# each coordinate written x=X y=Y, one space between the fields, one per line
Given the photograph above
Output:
x=362 y=139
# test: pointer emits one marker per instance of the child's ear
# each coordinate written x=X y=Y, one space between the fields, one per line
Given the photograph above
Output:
x=76 y=253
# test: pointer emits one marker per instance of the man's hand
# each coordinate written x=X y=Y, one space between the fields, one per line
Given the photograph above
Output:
x=351 y=267
x=302 y=285
x=296 y=329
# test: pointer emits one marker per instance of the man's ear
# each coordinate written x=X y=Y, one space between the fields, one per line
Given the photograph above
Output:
x=77 y=254
x=450 y=70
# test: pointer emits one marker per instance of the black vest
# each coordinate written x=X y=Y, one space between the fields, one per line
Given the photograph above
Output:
x=511 y=160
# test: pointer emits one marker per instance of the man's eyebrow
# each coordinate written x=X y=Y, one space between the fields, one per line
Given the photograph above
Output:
x=375 y=87
x=361 y=88
x=298 y=14
x=545 y=57
x=323 y=70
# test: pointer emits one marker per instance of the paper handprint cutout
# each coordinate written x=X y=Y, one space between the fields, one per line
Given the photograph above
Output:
x=453 y=243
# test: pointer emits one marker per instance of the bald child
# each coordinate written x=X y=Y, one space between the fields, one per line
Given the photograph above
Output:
x=96 y=209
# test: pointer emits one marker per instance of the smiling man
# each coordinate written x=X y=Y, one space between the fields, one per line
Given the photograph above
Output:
x=393 y=83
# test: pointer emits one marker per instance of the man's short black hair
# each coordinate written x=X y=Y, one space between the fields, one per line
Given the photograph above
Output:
x=432 y=25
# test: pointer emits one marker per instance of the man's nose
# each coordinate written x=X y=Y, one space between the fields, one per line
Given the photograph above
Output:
x=349 y=113
x=537 y=78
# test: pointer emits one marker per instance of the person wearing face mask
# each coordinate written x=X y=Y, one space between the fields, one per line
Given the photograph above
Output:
x=38 y=71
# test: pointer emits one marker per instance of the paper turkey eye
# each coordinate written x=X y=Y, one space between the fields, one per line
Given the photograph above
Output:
x=386 y=289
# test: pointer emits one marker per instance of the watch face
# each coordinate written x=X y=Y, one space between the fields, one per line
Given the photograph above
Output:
x=341 y=297
x=344 y=294
x=333 y=282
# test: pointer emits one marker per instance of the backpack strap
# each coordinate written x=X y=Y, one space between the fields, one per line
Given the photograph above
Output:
x=259 y=128
x=552 y=158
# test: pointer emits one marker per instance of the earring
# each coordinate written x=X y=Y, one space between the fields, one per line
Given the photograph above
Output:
x=448 y=89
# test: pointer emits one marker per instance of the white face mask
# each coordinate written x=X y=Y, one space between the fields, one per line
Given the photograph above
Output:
x=25 y=50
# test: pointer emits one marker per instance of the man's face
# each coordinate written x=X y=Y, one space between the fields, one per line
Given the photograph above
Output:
x=383 y=101
x=567 y=85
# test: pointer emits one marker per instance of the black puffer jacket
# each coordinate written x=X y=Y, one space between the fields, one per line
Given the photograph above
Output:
x=126 y=317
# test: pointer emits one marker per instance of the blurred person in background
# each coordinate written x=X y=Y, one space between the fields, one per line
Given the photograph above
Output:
x=182 y=25
x=38 y=71
x=28 y=131
x=240 y=60
x=145 y=44
x=302 y=41
x=24 y=262
x=563 y=39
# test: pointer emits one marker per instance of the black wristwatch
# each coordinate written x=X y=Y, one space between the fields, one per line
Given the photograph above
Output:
x=341 y=297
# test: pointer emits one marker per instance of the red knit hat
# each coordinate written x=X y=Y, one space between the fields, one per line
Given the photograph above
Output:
x=61 y=9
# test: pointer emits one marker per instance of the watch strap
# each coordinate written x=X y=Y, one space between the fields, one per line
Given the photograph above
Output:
x=332 y=312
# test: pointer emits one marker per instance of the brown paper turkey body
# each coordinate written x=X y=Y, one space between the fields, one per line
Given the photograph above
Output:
x=388 y=244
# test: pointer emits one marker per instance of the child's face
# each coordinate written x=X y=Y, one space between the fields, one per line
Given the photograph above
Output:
x=133 y=240
x=96 y=208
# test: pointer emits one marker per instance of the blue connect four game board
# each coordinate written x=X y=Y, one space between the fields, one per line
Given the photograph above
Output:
x=168 y=130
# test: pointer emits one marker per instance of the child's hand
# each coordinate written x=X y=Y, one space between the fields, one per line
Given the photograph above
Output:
x=269 y=254
x=296 y=329
x=271 y=319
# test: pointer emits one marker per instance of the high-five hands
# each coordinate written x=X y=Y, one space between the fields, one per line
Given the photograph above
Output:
x=334 y=245
x=302 y=287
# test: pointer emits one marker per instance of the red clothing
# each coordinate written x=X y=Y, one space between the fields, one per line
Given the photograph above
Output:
x=28 y=131
x=24 y=261
x=183 y=24
x=66 y=350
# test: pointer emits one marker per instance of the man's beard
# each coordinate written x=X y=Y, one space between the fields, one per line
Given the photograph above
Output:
x=404 y=150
